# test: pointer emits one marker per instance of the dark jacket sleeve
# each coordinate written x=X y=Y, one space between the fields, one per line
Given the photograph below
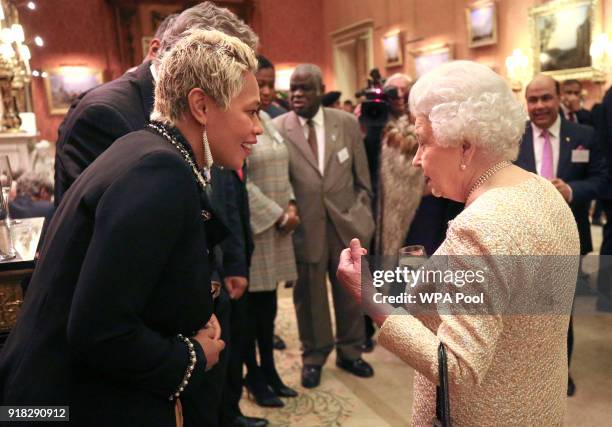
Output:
x=234 y=246
x=85 y=134
x=141 y=221
x=592 y=186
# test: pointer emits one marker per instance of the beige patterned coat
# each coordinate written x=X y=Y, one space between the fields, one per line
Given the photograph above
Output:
x=504 y=369
x=269 y=193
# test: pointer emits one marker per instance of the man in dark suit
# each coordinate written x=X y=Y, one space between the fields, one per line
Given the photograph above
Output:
x=97 y=118
x=568 y=155
x=602 y=117
x=571 y=103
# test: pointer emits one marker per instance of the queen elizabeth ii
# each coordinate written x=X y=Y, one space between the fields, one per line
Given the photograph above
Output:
x=504 y=369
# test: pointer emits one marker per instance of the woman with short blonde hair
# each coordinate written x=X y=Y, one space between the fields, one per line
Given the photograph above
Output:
x=122 y=330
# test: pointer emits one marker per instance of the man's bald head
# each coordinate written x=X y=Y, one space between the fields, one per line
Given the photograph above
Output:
x=306 y=89
x=543 y=79
x=543 y=101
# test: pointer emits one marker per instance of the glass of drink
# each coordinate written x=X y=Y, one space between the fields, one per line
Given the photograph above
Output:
x=7 y=250
x=6 y=181
x=411 y=258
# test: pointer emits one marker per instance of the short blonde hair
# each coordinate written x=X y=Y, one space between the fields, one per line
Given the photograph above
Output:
x=205 y=59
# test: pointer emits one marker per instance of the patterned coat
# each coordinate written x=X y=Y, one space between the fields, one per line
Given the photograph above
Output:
x=269 y=193
x=400 y=187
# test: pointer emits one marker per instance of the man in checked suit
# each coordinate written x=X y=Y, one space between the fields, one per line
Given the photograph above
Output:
x=329 y=173
x=566 y=153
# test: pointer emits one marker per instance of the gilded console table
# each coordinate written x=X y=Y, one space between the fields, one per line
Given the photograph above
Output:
x=25 y=234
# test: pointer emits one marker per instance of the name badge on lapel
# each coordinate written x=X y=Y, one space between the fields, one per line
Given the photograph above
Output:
x=580 y=156
x=343 y=155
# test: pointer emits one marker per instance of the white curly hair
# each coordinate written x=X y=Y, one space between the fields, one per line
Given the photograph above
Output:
x=467 y=101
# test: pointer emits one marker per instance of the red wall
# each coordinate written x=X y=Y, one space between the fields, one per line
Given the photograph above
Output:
x=76 y=32
x=291 y=31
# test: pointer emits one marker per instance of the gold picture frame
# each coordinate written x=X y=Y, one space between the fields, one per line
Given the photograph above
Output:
x=392 y=48
x=481 y=20
x=64 y=84
x=429 y=57
x=561 y=35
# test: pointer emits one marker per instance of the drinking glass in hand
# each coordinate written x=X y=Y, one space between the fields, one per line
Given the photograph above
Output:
x=7 y=250
x=6 y=181
x=411 y=258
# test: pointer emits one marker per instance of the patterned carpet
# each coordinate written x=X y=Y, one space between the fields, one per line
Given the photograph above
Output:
x=338 y=401
x=386 y=400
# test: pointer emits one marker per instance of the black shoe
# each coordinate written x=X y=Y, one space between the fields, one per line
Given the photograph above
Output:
x=358 y=367
x=311 y=376
x=277 y=385
x=242 y=421
x=262 y=394
x=278 y=343
x=368 y=345
x=571 y=387
x=603 y=304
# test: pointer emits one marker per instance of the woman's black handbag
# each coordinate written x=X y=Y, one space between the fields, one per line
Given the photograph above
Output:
x=443 y=418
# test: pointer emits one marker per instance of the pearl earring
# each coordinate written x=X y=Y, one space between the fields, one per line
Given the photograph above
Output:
x=462 y=167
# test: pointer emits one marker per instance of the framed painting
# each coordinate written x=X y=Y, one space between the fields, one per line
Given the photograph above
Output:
x=64 y=84
x=429 y=57
x=481 y=20
x=392 y=44
x=561 y=32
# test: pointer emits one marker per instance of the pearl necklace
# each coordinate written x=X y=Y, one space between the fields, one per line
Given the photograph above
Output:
x=488 y=174
x=202 y=179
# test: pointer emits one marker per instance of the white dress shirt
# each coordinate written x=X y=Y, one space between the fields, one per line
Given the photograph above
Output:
x=554 y=133
x=319 y=126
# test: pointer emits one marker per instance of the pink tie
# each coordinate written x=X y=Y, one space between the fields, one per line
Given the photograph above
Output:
x=547 y=157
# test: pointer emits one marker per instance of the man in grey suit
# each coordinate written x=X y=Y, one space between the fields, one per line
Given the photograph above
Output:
x=329 y=173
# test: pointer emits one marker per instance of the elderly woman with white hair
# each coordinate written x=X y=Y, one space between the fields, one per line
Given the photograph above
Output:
x=118 y=322
x=506 y=365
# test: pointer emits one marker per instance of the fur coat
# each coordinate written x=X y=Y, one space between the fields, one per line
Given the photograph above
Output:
x=400 y=186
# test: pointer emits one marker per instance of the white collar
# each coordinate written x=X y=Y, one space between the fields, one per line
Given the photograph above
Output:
x=153 y=72
x=317 y=118
x=554 y=130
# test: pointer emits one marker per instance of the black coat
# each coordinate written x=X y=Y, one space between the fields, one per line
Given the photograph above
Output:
x=121 y=273
x=602 y=117
x=96 y=119
x=109 y=111
x=587 y=180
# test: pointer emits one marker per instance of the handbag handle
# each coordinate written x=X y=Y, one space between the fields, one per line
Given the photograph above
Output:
x=443 y=418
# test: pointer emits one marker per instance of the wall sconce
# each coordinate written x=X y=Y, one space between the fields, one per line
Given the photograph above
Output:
x=517 y=68
x=283 y=76
x=601 y=54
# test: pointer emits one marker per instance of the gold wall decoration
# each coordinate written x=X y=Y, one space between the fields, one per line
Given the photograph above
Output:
x=561 y=35
x=15 y=74
x=481 y=20
x=429 y=57
x=64 y=84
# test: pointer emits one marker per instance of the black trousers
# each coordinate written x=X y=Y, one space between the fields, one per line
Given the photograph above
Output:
x=208 y=406
x=604 y=279
x=262 y=308
x=232 y=389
